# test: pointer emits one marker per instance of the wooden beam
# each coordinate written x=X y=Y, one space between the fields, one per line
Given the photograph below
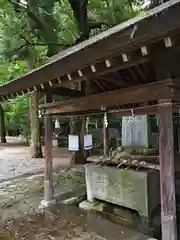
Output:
x=137 y=94
x=63 y=91
x=167 y=173
x=124 y=112
x=145 y=110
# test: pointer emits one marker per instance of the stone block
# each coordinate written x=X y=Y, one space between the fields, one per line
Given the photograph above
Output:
x=137 y=190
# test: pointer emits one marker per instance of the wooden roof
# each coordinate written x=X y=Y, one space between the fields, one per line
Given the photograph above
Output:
x=126 y=46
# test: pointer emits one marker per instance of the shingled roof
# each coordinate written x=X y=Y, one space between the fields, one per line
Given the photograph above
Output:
x=102 y=54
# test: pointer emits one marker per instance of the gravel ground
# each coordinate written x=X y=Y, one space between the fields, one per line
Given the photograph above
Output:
x=20 y=217
x=15 y=159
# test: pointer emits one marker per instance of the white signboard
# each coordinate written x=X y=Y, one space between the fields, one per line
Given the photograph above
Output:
x=135 y=131
x=88 y=142
x=73 y=143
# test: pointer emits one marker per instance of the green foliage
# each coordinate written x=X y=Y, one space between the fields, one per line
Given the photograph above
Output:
x=16 y=111
x=11 y=25
x=67 y=33
x=54 y=25
x=3 y=3
x=16 y=117
x=11 y=69
x=113 y=11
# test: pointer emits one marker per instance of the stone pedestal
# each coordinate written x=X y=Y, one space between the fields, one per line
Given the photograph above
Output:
x=135 y=132
x=126 y=188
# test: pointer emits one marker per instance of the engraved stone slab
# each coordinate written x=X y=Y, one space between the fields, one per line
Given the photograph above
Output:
x=127 y=188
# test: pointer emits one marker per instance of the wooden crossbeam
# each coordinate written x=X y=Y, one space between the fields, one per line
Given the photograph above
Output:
x=138 y=94
x=63 y=91
x=145 y=110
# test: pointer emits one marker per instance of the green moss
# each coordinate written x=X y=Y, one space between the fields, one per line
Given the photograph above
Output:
x=128 y=151
x=98 y=206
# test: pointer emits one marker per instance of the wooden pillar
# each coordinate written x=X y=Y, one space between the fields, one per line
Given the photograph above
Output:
x=177 y=140
x=48 y=164
x=105 y=137
x=167 y=173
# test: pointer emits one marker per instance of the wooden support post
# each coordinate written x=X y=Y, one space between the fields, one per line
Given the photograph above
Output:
x=48 y=185
x=178 y=131
x=48 y=164
x=105 y=137
x=167 y=174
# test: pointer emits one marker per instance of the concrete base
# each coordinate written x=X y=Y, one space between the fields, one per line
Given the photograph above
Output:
x=118 y=215
x=45 y=204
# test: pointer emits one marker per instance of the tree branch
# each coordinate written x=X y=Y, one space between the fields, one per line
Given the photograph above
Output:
x=28 y=44
x=91 y=26
x=96 y=25
x=30 y=13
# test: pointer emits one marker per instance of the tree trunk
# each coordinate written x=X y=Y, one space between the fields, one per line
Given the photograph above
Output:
x=78 y=127
x=35 y=145
x=2 y=126
x=79 y=157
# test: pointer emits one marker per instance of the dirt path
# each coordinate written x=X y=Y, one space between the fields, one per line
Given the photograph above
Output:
x=15 y=159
